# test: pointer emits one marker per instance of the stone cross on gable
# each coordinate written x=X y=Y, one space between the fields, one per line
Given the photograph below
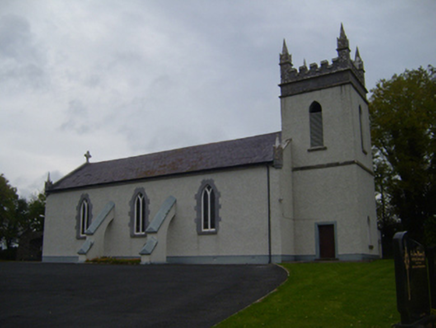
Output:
x=88 y=156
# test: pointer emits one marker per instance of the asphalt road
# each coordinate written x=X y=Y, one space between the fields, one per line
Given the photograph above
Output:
x=89 y=295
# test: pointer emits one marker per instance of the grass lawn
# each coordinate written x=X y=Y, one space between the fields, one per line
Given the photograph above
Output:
x=336 y=294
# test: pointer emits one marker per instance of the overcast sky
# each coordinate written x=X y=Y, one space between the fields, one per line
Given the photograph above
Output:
x=124 y=78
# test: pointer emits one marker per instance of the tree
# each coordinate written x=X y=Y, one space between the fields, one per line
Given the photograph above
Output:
x=35 y=219
x=18 y=215
x=388 y=222
x=403 y=122
x=8 y=212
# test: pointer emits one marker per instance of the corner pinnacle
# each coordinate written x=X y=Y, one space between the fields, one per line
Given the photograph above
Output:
x=357 y=56
x=342 y=34
x=285 y=48
x=285 y=57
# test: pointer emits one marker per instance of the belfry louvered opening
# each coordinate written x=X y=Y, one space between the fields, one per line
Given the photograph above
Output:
x=316 y=128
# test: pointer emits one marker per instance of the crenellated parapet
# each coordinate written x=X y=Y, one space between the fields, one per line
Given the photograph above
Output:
x=341 y=70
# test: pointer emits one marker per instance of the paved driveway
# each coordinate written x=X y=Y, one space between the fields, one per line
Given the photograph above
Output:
x=87 y=295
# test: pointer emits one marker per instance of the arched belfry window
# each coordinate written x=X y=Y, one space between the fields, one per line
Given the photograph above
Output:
x=316 y=128
x=84 y=216
x=207 y=208
x=139 y=211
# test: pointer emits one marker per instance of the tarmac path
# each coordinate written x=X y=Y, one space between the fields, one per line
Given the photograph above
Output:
x=90 y=295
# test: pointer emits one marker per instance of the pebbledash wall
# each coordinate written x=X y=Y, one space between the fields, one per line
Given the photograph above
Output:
x=320 y=174
x=242 y=236
x=334 y=183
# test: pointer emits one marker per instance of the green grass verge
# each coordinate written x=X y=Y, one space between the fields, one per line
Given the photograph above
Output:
x=337 y=294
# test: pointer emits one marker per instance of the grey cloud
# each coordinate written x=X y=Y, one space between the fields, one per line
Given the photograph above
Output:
x=78 y=118
x=21 y=60
x=92 y=81
x=72 y=125
x=76 y=108
x=15 y=38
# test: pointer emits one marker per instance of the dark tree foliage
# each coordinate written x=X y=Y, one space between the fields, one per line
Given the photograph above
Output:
x=35 y=218
x=8 y=212
x=403 y=123
x=17 y=215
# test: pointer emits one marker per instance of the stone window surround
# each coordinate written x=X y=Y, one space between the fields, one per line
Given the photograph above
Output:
x=132 y=212
x=198 y=208
x=83 y=197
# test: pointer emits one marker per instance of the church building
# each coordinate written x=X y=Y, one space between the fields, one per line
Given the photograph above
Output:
x=300 y=194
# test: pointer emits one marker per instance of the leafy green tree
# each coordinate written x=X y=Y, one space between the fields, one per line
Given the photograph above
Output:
x=403 y=122
x=18 y=215
x=8 y=212
x=35 y=219
x=388 y=222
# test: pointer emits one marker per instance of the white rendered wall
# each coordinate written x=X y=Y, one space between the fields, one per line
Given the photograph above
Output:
x=331 y=185
x=282 y=207
x=340 y=106
x=337 y=195
x=243 y=229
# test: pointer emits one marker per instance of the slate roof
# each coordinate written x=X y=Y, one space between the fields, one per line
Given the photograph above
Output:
x=219 y=155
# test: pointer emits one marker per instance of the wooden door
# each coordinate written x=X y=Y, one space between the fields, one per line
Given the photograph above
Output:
x=326 y=235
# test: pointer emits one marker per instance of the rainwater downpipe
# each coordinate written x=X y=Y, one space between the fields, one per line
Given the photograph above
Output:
x=269 y=214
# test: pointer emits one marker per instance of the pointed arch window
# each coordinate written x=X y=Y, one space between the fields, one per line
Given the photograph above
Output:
x=84 y=216
x=139 y=212
x=316 y=125
x=362 y=135
x=207 y=208
x=368 y=221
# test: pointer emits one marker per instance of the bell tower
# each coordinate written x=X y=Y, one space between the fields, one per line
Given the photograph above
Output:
x=325 y=117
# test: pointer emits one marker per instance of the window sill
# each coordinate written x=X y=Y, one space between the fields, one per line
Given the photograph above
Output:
x=208 y=232
x=138 y=235
x=317 y=148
